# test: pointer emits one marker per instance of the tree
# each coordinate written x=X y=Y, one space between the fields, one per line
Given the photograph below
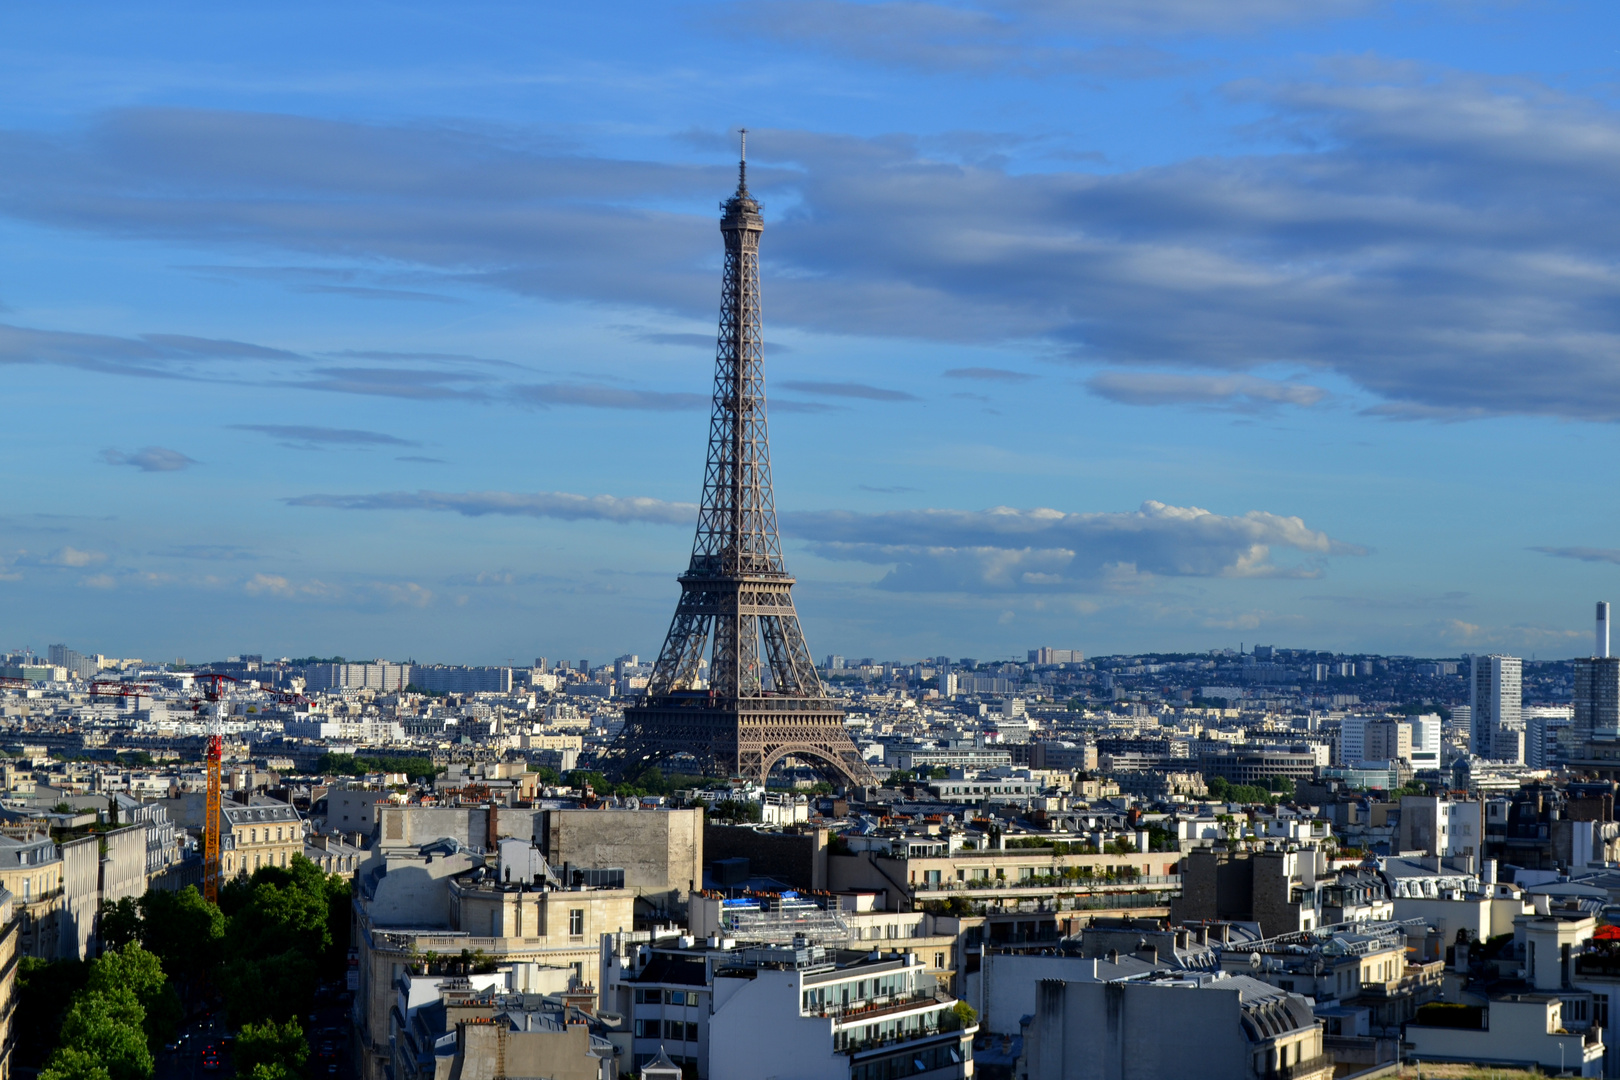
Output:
x=107 y=1025
x=44 y=992
x=279 y=1048
x=183 y=929
x=120 y=923
x=939 y=772
x=70 y=1063
x=140 y=972
x=284 y=924
x=736 y=811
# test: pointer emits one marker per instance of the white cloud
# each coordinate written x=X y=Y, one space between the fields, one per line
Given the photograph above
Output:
x=996 y=550
x=1009 y=550
x=1237 y=392
x=70 y=556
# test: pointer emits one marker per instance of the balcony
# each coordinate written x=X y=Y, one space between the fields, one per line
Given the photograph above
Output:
x=948 y=1027
x=850 y=1014
x=1321 y=1064
x=1044 y=886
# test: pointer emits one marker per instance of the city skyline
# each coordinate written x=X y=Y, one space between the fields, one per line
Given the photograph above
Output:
x=1131 y=328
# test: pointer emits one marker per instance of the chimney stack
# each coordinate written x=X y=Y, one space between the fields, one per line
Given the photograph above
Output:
x=1602 y=643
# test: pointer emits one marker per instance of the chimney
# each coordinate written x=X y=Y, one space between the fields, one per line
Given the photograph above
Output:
x=1601 y=645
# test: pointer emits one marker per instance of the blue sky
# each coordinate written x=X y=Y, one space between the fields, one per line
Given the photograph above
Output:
x=1113 y=324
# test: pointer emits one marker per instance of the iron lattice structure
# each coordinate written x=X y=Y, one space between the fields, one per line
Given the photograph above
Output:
x=764 y=700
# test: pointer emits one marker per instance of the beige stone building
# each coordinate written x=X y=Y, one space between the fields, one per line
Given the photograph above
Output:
x=264 y=832
x=31 y=871
x=419 y=905
x=8 y=979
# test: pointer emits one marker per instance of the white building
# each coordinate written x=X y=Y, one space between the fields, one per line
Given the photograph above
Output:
x=1495 y=701
x=1426 y=741
x=787 y=1010
x=988 y=786
x=1213 y=1026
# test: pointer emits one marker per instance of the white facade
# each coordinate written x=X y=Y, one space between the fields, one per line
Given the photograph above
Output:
x=1353 y=739
x=1495 y=701
x=1426 y=741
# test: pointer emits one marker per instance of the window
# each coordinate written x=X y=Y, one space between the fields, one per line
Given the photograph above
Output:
x=674 y=1030
x=939 y=960
x=691 y=1033
x=647 y=1029
x=253 y=836
x=675 y=997
x=576 y=922
x=648 y=997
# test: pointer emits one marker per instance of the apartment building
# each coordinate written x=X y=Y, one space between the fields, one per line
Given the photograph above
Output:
x=483 y=1026
x=1280 y=890
x=263 y=832
x=1440 y=825
x=910 y=871
x=31 y=871
x=9 y=957
x=837 y=922
x=1225 y=1027
x=793 y=1007
x=416 y=903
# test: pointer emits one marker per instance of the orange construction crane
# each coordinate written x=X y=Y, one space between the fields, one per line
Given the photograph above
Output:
x=213 y=812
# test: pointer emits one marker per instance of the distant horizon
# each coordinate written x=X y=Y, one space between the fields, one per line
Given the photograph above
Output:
x=606 y=659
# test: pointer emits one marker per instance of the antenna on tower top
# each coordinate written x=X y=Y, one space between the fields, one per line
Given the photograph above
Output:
x=742 y=160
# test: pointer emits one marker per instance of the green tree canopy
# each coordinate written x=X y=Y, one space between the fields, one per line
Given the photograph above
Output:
x=109 y=1026
x=284 y=925
x=44 y=992
x=183 y=929
x=120 y=923
x=71 y=1063
x=141 y=973
x=280 y=1049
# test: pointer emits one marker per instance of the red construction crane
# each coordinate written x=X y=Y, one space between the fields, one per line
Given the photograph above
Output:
x=110 y=688
x=213 y=812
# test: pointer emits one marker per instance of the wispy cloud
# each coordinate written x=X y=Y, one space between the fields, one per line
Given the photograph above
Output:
x=990 y=374
x=541 y=504
x=1583 y=554
x=306 y=437
x=150 y=459
x=601 y=396
x=846 y=390
x=1242 y=392
x=699 y=341
x=376 y=594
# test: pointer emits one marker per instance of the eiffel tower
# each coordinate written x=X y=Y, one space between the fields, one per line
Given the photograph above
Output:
x=761 y=704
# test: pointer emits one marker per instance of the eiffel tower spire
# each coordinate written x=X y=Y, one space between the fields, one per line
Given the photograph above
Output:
x=763 y=700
